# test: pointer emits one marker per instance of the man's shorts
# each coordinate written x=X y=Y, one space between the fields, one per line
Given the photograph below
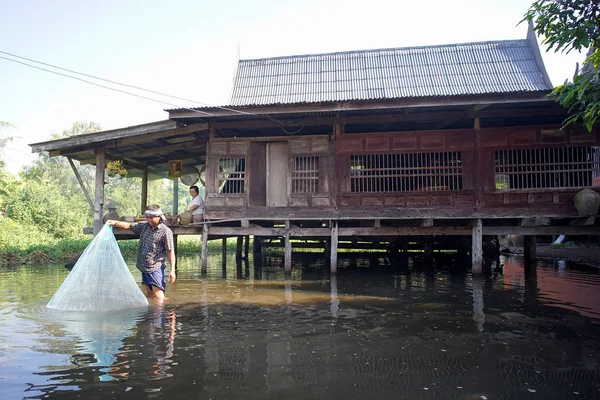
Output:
x=156 y=278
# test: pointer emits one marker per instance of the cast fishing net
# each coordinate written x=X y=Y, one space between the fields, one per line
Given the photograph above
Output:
x=100 y=280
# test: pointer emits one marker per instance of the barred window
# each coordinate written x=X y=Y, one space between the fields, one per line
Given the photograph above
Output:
x=406 y=172
x=305 y=175
x=556 y=167
x=232 y=174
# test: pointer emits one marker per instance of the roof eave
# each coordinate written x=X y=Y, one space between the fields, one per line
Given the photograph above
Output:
x=97 y=137
x=355 y=105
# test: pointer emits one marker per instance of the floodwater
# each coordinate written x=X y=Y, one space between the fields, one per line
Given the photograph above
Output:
x=375 y=331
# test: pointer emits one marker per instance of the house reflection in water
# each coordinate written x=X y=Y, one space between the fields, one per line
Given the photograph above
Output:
x=557 y=286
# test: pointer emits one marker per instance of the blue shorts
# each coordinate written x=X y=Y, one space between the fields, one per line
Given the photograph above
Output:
x=156 y=278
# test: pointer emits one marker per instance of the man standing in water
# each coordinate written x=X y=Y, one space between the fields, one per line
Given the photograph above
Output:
x=156 y=242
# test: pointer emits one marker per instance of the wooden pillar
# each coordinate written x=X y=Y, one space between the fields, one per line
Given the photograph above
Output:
x=175 y=237
x=477 y=248
x=204 y=247
x=238 y=248
x=246 y=246
x=428 y=250
x=529 y=250
x=144 y=202
x=479 y=170
x=175 y=196
x=224 y=253
x=99 y=191
x=256 y=246
x=287 y=258
x=334 y=247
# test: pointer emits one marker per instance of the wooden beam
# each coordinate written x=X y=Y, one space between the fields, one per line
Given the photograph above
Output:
x=99 y=191
x=445 y=118
x=542 y=230
x=163 y=134
x=83 y=188
x=407 y=213
x=396 y=231
x=192 y=144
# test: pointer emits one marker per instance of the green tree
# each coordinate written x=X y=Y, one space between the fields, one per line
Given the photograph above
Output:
x=6 y=179
x=4 y=141
x=48 y=194
x=568 y=25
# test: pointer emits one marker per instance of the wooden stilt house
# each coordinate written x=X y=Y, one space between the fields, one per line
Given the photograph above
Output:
x=449 y=140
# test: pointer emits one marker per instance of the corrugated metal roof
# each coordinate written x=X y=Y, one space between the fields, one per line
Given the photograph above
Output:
x=445 y=70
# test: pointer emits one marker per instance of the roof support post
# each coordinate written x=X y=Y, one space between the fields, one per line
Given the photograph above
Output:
x=99 y=192
x=175 y=196
x=338 y=129
x=144 y=190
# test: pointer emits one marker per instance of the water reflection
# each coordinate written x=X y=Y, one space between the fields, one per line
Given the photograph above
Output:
x=99 y=334
x=386 y=331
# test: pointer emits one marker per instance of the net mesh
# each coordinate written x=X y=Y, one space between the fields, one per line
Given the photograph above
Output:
x=100 y=280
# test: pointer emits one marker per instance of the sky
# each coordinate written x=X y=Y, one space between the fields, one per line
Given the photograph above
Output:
x=189 y=49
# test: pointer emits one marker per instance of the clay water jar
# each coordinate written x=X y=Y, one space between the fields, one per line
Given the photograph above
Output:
x=587 y=202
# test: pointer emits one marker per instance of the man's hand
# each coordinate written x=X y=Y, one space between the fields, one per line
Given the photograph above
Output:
x=118 y=224
x=172 y=275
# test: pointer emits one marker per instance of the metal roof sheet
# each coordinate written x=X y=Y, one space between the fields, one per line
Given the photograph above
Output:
x=443 y=70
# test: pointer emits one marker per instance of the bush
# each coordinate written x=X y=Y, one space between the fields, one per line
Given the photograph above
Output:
x=47 y=207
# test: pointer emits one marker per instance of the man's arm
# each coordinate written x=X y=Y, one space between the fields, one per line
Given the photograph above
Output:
x=172 y=258
x=118 y=224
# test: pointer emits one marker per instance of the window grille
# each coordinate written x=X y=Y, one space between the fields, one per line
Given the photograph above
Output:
x=406 y=172
x=232 y=173
x=557 y=167
x=305 y=175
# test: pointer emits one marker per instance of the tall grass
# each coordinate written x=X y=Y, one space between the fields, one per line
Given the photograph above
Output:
x=19 y=244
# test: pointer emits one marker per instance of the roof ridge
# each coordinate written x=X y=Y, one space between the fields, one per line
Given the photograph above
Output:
x=367 y=51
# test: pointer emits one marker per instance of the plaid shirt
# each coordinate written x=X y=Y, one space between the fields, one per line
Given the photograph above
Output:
x=154 y=244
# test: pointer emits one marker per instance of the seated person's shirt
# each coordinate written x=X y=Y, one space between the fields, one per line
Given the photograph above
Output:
x=200 y=203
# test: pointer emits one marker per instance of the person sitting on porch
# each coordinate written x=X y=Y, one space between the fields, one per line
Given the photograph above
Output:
x=196 y=205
